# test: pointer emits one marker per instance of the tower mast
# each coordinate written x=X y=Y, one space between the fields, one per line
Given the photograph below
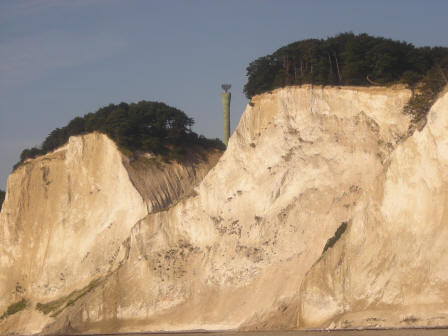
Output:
x=225 y=96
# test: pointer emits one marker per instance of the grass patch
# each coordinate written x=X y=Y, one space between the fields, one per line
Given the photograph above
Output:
x=14 y=308
x=57 y=306
x=330 y=242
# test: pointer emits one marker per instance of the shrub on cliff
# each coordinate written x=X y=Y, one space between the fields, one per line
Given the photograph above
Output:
x=349 y=59
x=14 y=308
x=147 y=126
x=426 y=90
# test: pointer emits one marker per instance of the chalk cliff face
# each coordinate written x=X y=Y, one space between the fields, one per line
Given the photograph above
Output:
x=67 y=215
x=64 y=219
x=391 y=266
x=325 y=210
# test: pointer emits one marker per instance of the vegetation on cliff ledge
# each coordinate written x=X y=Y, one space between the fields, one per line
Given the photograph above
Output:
x=146 y=126
x=58 y=305
x=349 y=59
x=14 y=308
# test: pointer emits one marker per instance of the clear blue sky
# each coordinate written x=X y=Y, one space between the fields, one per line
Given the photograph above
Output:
x=64 y=58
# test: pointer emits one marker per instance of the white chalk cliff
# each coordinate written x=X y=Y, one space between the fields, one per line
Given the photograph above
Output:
x=324 y=211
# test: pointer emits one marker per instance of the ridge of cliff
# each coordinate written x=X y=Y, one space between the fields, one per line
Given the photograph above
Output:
x=326 y=210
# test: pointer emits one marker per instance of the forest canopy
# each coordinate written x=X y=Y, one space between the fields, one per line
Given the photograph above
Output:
x=349 y=59
x=146 y=126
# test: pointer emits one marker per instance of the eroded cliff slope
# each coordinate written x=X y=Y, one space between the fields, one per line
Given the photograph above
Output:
x=325 y=210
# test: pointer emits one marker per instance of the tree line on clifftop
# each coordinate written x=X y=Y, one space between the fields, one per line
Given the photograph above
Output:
x=349 y=59
x=144 y=126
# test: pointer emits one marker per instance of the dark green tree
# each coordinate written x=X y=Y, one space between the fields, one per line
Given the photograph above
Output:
x=346 y=59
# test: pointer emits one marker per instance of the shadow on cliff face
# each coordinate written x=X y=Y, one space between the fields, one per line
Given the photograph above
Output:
x=161 y=183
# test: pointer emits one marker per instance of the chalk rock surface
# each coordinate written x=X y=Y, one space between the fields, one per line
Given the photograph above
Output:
x=324 y=211
x=391 y=266
x=66 y=217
